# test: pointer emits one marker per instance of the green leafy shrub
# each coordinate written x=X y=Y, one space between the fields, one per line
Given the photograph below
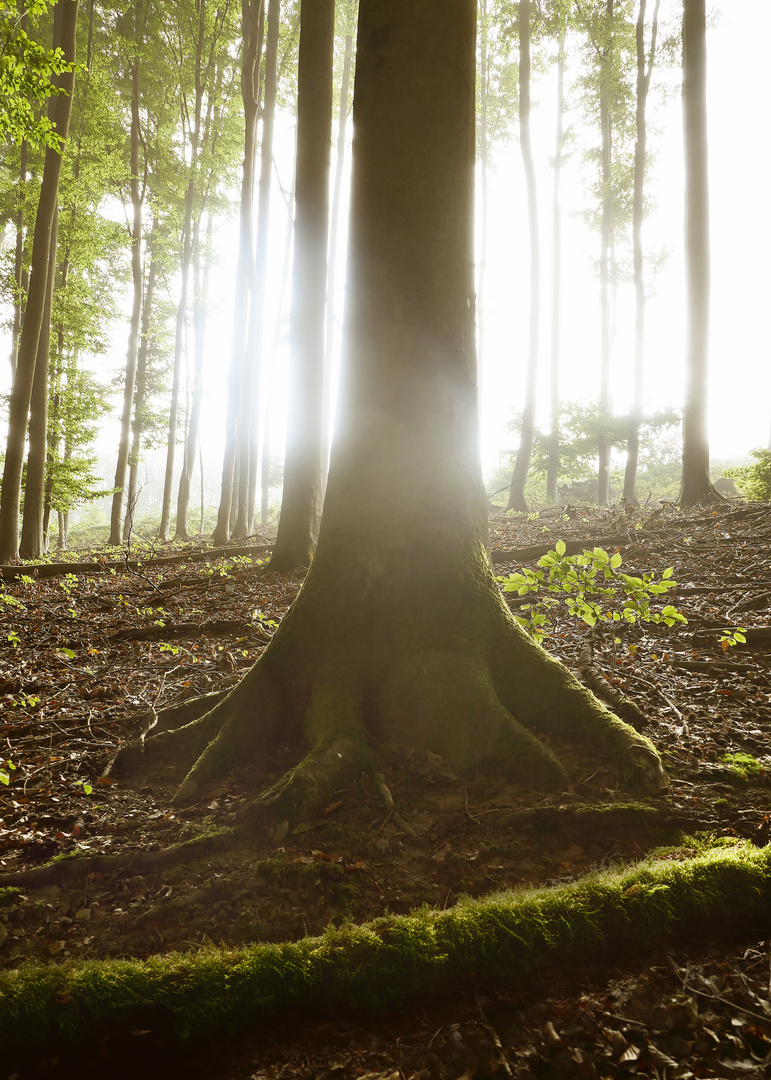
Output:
x=592 y=588
x=754 y=481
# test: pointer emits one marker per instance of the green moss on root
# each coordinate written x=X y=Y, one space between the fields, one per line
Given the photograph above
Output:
x=384 y=963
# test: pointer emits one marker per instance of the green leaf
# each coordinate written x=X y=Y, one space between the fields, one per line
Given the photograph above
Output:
x=560 y=548
x=69 y=653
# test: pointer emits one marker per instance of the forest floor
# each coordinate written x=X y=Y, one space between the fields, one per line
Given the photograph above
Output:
x=86 y=652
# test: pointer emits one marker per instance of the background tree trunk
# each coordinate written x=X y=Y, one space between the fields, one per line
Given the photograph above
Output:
x=256 y=339
x=65 y=23
x=19 y=275
x=695 y=485
x=552 y=472
x=140 y=388
x=33 y=544
x=301 y=501
x=638 y=214
x=137 y=198
x=522 y=464
x=334 y=219
x=606 y=243
x=253 y=28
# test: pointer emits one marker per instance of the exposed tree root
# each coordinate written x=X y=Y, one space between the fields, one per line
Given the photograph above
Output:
x=596 y=681
x=469 y=685
x=130 y=862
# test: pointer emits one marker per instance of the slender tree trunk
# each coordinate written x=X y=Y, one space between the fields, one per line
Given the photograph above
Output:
x=185 y=263
x=32 y=545
x=484 y=186
x=638 y=213
x=265 y=477
x=253 y=24
x=140 y=388
x=250 y=448
x=301 y=501
x=606 y=241
x=65 y=22
x=200 y=291
x=522 y=464
x=19 y=276
x=334 y=218
x=552 y=472
x=137 y=198
x=695 y=485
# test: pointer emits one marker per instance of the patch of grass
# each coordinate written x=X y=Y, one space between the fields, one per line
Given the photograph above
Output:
x=383 y=963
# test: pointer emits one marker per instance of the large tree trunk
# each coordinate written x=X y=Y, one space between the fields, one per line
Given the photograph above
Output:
x=137 y=198
x=638 y=213
x=399 y=633
x=522 y=464
x=695 y=485
x=301 y=501
x=65 y=22
x=552 y=471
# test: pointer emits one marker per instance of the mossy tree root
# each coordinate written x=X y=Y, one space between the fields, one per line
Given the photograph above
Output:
x=468 y=684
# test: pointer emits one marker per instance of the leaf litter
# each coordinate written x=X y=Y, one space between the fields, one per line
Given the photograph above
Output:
x=84 y=657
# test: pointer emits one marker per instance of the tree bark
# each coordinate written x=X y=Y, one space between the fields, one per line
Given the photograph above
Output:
x=140 y=388
x=253 y=24
x=553 y=467
x=334 y=219
x=19 y=276
x=65 y=23
x=250 y=447
x=606 y=242
x=399 y=633
x=638 y=213
x=695 y=484
x=137 y=198
x=32 y=545
x=522 y=464
x=186 y=258
x=302 y=497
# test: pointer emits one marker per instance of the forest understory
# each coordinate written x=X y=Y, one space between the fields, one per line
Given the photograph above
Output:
x=87 y=653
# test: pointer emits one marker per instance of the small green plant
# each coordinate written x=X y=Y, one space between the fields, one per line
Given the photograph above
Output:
x=14 y=639
x=68 y=582
x=744 y=766
x=165 y=647
x=26 y=701
x=732 y=637
x=592 y=588
x=264 y=622
x=87 y=788
x=6 y=768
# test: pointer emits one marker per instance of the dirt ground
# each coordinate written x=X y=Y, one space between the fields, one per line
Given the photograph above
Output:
x=84 y=655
